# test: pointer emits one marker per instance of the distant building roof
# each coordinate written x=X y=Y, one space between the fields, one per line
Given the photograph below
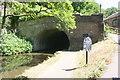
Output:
x=113 y=15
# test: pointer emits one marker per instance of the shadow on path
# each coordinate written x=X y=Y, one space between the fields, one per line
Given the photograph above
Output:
x=71 y=69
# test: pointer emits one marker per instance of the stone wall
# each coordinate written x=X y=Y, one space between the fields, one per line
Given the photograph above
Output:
x=92 y=25
x=34 y=30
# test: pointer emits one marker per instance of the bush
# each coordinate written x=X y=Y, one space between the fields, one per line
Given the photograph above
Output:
x=10 y=44
x=108 y=30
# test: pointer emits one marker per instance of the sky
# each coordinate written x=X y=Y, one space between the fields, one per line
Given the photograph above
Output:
x=108 y=3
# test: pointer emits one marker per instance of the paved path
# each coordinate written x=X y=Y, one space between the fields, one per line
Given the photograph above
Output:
x=62 y=68
x=112 y=70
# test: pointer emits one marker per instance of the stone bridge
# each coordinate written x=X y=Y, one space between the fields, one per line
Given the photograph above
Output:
x=46 y=37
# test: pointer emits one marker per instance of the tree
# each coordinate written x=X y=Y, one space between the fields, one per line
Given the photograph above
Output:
x=63 y=12
x=31 y=10
x=4 y=16
x=110 y=11
x=86 y=8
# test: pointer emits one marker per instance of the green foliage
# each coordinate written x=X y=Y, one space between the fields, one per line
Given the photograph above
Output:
x=102 y=67
x=12 y=62
x=60 y=10
x=96 y=75
x=63 y=12
x=21 y=78
x=108 y=30
x=86 y=8
x=11 y=44
x=109 y=11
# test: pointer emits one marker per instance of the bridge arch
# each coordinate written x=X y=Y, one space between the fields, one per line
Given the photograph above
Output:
x=51 y=40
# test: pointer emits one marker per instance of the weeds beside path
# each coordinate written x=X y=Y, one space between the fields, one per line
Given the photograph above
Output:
x=112 y=69
x=98 y=58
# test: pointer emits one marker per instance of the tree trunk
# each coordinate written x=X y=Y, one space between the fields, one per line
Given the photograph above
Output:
x=4 y=16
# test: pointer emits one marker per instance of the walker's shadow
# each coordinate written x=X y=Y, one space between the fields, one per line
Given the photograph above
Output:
x=71 y=69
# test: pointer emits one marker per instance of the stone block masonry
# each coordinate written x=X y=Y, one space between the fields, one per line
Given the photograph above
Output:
x=45 y=36
x=90 y=24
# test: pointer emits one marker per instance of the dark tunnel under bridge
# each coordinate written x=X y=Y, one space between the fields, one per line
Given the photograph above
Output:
x=50 y=41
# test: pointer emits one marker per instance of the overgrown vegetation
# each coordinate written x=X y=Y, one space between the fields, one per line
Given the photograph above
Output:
x=86 y=8
x=95 y=75
x=31 y=10
x=10 y=44
x=102 y=67
x=107 y=30
x=96 y=59
x=21 y=78
x=61 y=10
x=109 y=11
